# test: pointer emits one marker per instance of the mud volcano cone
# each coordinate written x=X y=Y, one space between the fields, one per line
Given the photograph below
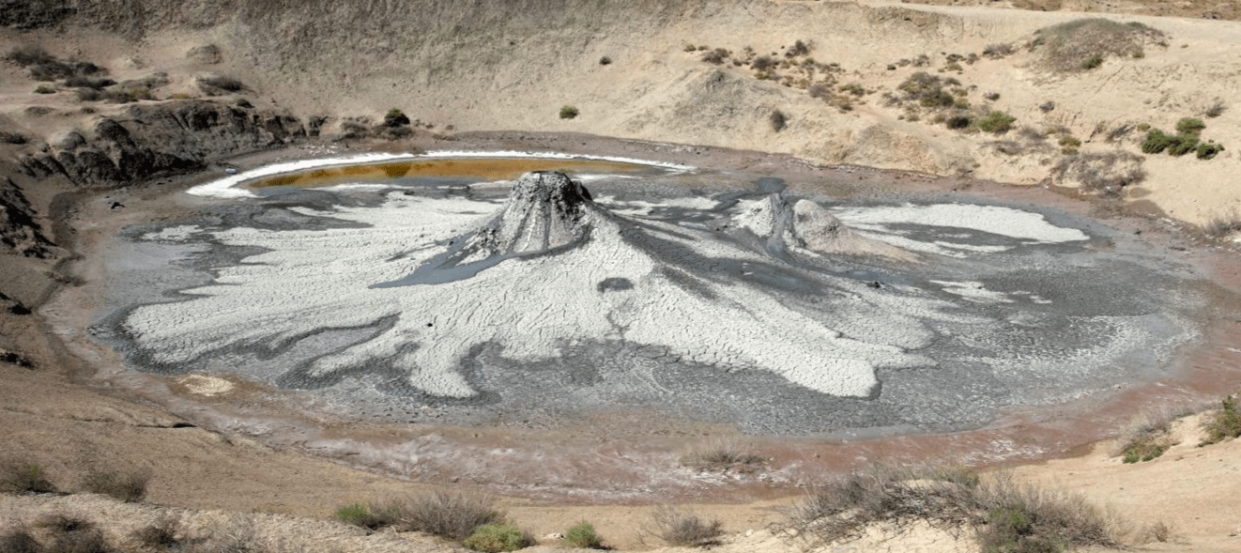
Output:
x=546 y=210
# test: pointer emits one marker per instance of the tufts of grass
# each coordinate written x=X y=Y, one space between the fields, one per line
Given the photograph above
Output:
x=1160 y=531
x=1208 y=150
x=1190 y=125
x=958 y=121
x=1147 y=435
x=998 y=50
x=1082 y=44
x=582 y=536
x=568 y=112
x=448 y=514
x=716 y=56
x=130 y=487
x=764 y=63
x=498 y=537
x=1223 y=424
x=44 y=89
x=1221 y=226
x=686 y=529
x=1216 y=109
x=722 y=455
x=22 y=476
x=359 y=514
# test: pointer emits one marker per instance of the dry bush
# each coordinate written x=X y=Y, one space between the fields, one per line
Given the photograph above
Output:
x=722 y=455
x=81 y=81
x=1004 y=514
x=71 y=534
x=214 y=83
x=129 y=487
x=1160 y=531
x=1105 y=173
x=23 y=476
x=716 y=56
x=686 y=529
x=1074 y=45
x=1147 y=435
x=1220 y=226
x=998 y=50
x=448 y=514
x=1215 y=109
x=235 y=535
x=764 y=63
x=26 y=55
x=163 y=533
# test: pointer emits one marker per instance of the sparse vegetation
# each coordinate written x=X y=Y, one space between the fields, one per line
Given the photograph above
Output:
x=129 y=487
x=764 y=63
x=1186 y=140
x=800 y=48
x=958 y=121
x=716 y=56
x=1190 y=125
x=395 y=118
x=1216 y=109
x=1223 y=424
x=359 y=514
x=1146 y=436
x=722 y=455
x=1105 y=173
x=778 y=120
x=568 y=112
x=44 y=89
x=998 y=50
x=605 y=61
x=582 y=536
x=1208 y=150
x=1221 y=226
x=1082 y=44
x=22 y=476
x=209 y=83
x=498 y=537
x=686 y=529
x=1005 y=515
x=26 y=55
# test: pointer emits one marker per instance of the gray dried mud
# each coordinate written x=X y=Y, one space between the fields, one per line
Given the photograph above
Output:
x=1001 y=322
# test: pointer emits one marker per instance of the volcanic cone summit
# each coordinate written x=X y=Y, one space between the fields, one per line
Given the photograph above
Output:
x=545 y=210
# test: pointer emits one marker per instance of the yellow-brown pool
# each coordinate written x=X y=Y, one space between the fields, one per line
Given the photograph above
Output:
x=486 y=169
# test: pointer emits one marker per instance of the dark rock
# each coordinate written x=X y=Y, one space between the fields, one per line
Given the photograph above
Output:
x=68 y=141
x=19 y=233
x=26 y=15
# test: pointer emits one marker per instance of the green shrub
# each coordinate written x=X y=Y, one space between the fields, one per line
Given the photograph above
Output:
x=1190 y=125
x=582 y=536
x=1208 y=150
x=1224 y=424
x=1183 y=144
x=24 y=477
x=361 y=515
x=958 y=121
x=1092 y=62
x=568 y=112
x=1156 y=141
x=495 y=538
x=854 y=89
x=129 y=487
x=44 y=89
x=996 y=122
x=1142 y=451
x=1009 y=530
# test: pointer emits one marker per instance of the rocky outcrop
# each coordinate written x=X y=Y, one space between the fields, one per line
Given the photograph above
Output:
x=157 y=139
x=19 y=232
x=26 y=15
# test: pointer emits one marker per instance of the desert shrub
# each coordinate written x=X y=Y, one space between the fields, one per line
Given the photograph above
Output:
x=1183 y=144
x=44 y=89
x=235 y=535
x=991 y=96
x=800 y=48
x=996 y=122
x=1001 y=511
x=127 y=96
x=19 y=540
x=1208 y=150
x=1222 y=225
x=395 y=118
x=21 y=476
x=568 y=112
x=1215 y=109
x=764 y=63
x=1082 y=44
x=89 y=95
x=1147 y=435
x=1178 y=145
x=28 y=54
x=1106 y=173
x=161 y=534
x=452 y=515
x=1070 y=142
x=1160 y=531
x=129 y=487
x=689 y=48
x=605 y=61
x=1190 y=125
x=1156 y=142
x=495 y=538
x=1047 y=106
x=716 y=56
x=221 y=82
x=997 y=50
x=80 y=81
x=958 y=121
x=1223 y=424
x=13 y=138
x=820 y=90
x=362 y=515
x=778 y=120
x=721 y=455
x=854 y=89
x=582 y=536
x=686 y=529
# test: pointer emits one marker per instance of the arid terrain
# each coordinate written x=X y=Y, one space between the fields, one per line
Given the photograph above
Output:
x=1112 y=120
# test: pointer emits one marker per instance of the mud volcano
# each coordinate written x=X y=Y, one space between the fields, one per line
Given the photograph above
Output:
x=777 y=314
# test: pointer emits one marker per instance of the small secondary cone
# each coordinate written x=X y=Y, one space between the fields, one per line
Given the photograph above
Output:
x=808 y=225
